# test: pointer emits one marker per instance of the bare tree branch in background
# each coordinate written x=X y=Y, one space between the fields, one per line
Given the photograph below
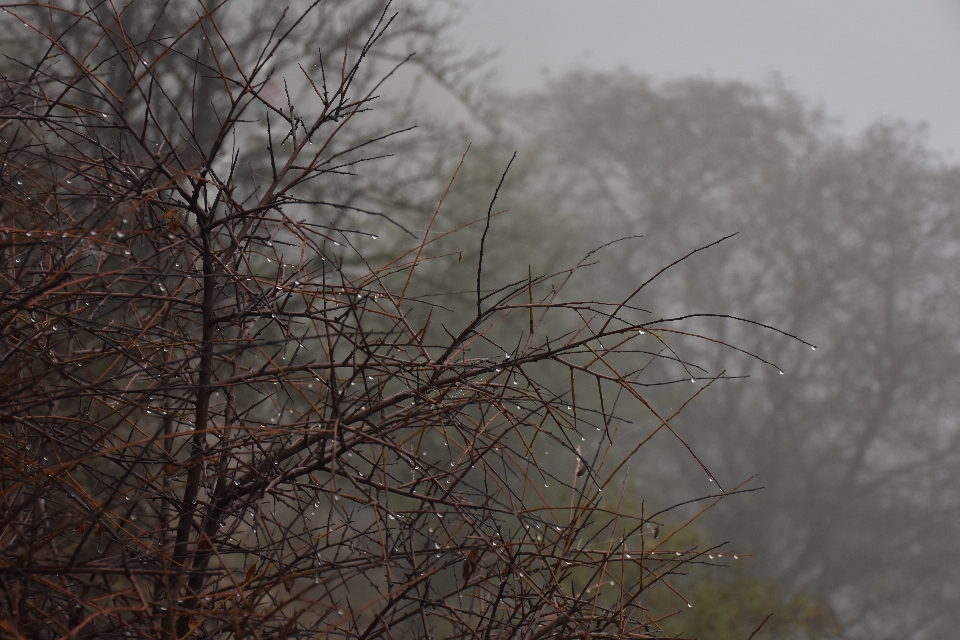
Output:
x=849 y=243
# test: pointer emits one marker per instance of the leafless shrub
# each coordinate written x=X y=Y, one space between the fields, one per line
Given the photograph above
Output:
x=220 y=420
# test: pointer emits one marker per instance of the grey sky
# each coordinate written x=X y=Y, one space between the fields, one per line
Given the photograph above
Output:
x=862 y=59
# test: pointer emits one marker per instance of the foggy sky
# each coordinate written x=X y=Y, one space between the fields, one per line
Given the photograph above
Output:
x=861 y=59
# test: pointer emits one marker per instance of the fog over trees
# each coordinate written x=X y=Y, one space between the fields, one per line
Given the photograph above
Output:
x=851 y=244
x=280 y=359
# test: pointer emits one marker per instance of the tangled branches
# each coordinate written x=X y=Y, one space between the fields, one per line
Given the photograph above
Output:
x=220 y=418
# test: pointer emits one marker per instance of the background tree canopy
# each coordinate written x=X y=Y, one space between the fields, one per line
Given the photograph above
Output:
x=850 y=244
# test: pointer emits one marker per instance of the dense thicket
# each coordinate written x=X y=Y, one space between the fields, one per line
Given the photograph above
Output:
x=226 y=411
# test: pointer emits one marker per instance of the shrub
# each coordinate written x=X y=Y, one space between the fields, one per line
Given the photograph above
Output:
x=222 y=418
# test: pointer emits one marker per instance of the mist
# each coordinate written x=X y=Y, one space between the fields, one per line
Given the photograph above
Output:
x=480 y=320
x=823 y=137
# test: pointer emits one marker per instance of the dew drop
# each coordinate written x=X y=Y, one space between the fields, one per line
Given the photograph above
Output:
x=813 y=348
x=690 y=606
x=781 y=373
